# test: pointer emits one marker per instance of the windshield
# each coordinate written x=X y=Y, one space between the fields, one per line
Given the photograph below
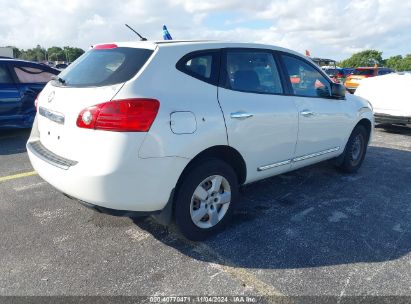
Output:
x=102 y=67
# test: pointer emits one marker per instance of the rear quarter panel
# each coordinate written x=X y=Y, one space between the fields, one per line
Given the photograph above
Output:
x=177 y=92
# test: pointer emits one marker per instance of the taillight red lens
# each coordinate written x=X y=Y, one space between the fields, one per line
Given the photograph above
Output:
x=126 y=115
x=36 y=102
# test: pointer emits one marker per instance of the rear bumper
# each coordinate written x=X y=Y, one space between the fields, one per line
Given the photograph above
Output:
x=142 y=185
x=392 y=119
x=115 y=212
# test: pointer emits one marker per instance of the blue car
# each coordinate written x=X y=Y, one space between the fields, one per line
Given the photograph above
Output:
x=20 y=83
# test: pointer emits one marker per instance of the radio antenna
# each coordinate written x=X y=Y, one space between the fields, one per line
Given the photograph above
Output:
x=141 y=37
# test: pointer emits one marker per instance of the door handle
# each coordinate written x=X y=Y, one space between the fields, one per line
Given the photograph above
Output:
x=307 y=113
x=241 y=115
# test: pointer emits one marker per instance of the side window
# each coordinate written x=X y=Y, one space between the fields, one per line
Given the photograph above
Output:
x=201 y=65
x=252 y=71
x=5 y=76
x=305 y=79
x=32 y=75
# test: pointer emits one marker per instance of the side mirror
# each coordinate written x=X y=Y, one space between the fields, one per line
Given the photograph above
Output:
x=338 y=90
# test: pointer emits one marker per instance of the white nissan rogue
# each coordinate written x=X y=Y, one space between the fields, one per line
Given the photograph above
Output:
x=174 y=128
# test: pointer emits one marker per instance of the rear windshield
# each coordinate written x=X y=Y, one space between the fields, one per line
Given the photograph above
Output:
x=363 y=72
x=104 y=67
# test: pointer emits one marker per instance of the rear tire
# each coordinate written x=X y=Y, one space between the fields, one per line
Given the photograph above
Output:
x=205 y=199
x=355 y=150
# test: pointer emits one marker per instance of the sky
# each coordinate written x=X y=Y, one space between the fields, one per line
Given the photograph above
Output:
x=333 y=29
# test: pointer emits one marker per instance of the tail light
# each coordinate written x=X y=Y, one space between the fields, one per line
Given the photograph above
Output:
x=36 y=102
x=126 y=115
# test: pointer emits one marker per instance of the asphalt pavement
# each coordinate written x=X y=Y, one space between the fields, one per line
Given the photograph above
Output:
x=313 y=231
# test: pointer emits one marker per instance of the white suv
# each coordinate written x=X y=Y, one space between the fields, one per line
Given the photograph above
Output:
x=174 y=128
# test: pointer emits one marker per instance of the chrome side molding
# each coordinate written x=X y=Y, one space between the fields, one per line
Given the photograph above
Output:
x=275 y=165
x=297 y=159
x=308 y=156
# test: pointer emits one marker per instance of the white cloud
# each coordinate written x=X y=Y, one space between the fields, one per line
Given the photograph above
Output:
x=95 y=21
x=327 y=28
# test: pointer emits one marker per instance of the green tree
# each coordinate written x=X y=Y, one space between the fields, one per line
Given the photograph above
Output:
x=399 y=63
x=394 y=62
x=36 y=54
x=53 y=53
x=72 y=53
x=406 y=63
x=365 y=58
x=56 y=53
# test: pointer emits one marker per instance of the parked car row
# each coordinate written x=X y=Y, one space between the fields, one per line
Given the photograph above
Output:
x=351 y=77
x=353 y=80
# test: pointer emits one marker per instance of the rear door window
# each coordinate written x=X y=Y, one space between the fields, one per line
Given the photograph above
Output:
x=27 y=74
x=253 y=71
x=102 y=67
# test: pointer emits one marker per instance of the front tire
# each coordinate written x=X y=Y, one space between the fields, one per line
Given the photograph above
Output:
x=204 y=203
x=355 y=150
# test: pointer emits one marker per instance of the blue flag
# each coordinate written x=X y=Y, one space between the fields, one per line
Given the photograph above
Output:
x=166 y=34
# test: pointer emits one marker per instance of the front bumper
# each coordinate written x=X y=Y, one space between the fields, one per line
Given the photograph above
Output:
x=392 y=119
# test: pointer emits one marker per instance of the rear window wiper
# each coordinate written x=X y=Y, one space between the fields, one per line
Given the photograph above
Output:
x=59 y=79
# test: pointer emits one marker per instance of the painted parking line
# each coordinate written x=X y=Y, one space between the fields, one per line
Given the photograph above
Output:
x=221 y=264
x=237 y=272
x=31 y=186
x=15 y=176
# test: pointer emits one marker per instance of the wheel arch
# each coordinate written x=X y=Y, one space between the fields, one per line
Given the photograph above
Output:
x=225 y=153
x=367 y=124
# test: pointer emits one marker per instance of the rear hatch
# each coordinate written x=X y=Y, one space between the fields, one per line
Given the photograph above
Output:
x=94 y=78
